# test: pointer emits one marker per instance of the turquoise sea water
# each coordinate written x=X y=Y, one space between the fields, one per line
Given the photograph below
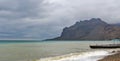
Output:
x=30 y=51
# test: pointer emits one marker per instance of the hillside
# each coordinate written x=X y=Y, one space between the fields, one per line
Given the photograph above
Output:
x=93 y=29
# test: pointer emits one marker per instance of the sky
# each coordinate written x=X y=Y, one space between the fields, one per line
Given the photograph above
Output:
x=44 y=19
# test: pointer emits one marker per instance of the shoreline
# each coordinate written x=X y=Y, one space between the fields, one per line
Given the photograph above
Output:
x=79 y=56
x=113 y=57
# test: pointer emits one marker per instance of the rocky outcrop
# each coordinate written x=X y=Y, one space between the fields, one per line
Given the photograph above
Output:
x=93 y=29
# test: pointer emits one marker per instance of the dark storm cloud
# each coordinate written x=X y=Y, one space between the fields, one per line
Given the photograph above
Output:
x=13 y=15
x=18 y=9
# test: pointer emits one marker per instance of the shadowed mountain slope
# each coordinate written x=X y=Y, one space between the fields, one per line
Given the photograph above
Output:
x=93 y=29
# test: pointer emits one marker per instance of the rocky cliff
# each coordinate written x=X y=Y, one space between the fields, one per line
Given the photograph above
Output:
x=93 y=29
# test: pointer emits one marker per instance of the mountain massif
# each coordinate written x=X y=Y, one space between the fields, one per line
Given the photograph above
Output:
x=93 y=29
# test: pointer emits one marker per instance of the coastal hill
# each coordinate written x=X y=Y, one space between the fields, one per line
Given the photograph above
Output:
x=93 y=29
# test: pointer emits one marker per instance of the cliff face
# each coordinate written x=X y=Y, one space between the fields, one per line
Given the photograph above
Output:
x=93 y=29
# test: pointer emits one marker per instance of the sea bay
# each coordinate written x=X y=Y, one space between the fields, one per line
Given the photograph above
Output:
x=30 y=51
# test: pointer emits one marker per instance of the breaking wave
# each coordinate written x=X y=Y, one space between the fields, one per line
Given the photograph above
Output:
x=86 y=56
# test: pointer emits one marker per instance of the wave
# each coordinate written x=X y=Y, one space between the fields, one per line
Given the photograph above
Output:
x=86 y=56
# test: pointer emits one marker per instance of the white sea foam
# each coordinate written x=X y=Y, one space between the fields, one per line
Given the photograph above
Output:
x=87 y=56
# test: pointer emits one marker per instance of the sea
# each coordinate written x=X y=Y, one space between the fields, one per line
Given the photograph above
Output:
x=52 y=51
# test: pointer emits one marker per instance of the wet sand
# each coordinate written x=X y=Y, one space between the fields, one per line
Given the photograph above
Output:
x=114 y=57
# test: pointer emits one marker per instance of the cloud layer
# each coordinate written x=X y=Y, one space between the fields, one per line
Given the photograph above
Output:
x=43 y=19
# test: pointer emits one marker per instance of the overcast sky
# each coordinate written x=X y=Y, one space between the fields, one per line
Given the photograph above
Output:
x=42 y=19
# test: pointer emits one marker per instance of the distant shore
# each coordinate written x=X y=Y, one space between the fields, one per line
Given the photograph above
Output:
x=114 y=57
